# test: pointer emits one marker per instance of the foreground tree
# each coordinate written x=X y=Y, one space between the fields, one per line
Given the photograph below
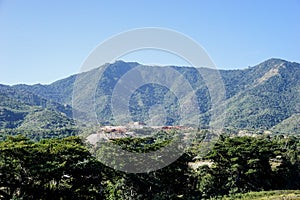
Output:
x=65 y=169
x=241 y=164
x=49 y=169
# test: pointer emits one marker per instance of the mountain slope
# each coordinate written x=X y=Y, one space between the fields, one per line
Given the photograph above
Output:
x=259 y=97
x=271 y=96
x=24 y=112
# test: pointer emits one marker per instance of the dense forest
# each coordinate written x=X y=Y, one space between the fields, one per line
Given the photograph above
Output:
x=67 y=169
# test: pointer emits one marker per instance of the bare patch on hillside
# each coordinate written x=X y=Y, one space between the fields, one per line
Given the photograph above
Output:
x=273 y=72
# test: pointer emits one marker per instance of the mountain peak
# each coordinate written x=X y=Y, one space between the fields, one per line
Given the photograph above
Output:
x=272 y=62
x=119 y=62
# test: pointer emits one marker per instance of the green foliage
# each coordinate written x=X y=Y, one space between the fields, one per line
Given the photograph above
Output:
x=49 y=169
x=239 y=165
x=243 y=164
x=65 y=169
x=146 y=144
x=171 y=182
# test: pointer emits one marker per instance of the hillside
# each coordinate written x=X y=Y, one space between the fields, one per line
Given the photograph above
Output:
x=24 y=112
x=262 y=97
x=270 y=95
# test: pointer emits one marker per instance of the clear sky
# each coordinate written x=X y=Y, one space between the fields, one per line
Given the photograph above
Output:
x=43 y=41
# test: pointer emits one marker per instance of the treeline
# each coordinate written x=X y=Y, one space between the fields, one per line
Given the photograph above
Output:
x=65 y=169
x=39 y=134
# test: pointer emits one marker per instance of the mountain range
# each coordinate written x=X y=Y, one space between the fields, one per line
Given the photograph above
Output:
x=262 y=97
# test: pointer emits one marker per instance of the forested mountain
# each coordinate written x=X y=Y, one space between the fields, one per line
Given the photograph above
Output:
x=262 y=97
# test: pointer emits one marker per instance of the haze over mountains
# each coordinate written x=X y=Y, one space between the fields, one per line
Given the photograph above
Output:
x=263 y=97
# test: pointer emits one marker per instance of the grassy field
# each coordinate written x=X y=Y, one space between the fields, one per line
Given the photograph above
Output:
x=267 y=195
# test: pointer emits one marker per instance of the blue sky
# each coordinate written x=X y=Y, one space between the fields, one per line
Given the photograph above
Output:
x=43 y=41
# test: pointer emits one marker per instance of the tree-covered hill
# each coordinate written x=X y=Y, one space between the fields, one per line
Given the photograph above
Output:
x=24 y=112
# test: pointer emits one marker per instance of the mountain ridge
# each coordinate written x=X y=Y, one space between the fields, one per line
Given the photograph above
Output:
x=257 y=98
